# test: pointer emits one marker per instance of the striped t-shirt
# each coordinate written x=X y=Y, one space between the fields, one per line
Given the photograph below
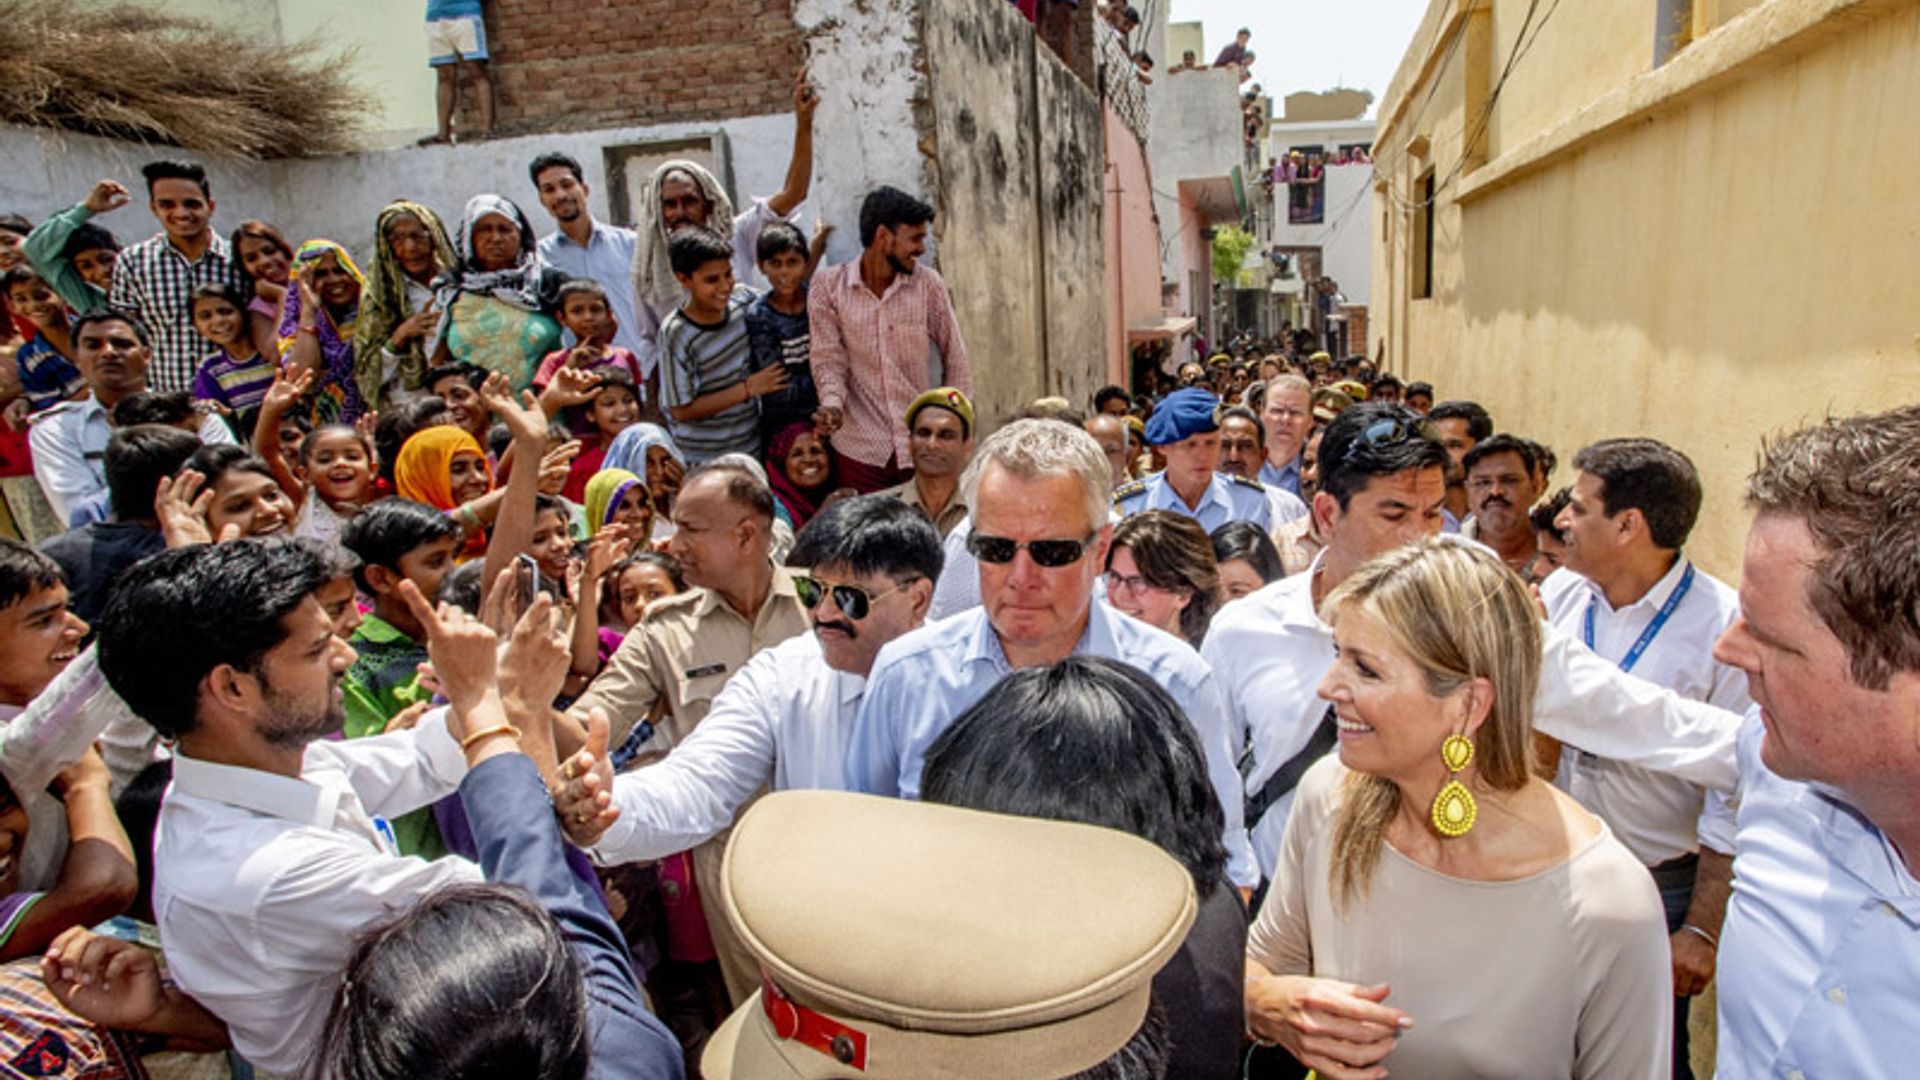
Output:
x=237 y=384
x=697 y=359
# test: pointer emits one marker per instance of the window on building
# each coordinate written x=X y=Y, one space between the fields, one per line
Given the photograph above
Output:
x=1423 y=237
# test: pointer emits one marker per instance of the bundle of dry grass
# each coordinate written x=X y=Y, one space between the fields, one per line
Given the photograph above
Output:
x=146 y=75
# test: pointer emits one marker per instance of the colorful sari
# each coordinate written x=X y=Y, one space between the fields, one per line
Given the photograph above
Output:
x=384 y=304
x=335 y=397
x=604 y=493
x=424 y=473
x=500 y=320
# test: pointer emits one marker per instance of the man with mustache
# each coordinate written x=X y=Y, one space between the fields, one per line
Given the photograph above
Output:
x=1502 y=486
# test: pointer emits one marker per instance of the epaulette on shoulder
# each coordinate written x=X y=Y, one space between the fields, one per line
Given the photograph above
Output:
x=1128 y=491
x=666 y=606
x=1246 y=482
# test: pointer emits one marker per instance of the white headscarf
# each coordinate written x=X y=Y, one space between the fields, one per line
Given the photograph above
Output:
x=653 y=276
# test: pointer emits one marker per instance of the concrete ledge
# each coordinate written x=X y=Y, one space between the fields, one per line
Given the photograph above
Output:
x=1761 y=38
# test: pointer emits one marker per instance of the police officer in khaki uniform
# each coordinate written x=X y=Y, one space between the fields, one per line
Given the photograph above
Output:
x=1004 y=970
x=688 y=645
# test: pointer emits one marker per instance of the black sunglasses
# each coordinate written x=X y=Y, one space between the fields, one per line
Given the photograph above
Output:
x=1391 y=431
x=1051 y=554
x=852 y=600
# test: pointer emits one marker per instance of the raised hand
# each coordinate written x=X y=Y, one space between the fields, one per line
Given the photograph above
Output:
x=535 y=661
x=463 y=650
x=555 y=465
x=569 y=386
x=522 y=415
x=805 y=97
x=106 y=197
x=182 y=509
x=584 y=797
x=290 y=384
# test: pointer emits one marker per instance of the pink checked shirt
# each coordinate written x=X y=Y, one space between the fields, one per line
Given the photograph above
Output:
x=872 y=355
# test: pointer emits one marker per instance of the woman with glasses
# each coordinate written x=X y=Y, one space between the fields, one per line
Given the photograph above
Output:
x=1161 y=570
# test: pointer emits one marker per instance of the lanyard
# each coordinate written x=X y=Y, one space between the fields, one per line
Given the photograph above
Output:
x=1653 y=628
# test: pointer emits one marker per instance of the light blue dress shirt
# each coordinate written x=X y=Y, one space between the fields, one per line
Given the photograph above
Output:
x=607 y=259
x=1226 y=499
x=924 y=680
x=1286 y=479
x=1820 y=956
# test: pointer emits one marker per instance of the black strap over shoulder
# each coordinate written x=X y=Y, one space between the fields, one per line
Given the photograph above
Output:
x=1287 y=777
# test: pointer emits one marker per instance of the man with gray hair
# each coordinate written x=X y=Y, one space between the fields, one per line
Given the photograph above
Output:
x=1040 y=529
x=1286 y=412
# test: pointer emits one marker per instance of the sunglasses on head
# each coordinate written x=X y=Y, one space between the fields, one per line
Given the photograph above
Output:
x=1393 y=430
x=853 y=601
x=1051 y=554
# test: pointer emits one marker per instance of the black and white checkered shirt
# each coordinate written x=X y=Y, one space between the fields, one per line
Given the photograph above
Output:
x=154 y=282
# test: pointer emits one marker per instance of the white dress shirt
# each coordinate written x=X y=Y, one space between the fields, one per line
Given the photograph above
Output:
x=925 y=679
x=783 y=720
x=69 y=444
x=958 y=589
x=262 y=882
x=50 y=733
x=1656 y=816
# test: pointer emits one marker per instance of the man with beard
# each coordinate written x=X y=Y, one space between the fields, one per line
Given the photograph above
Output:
x=1462 y=425
x=683 y=195
x=879 y=323
x=272 y=854
x=584 y=248
x=1502 y=486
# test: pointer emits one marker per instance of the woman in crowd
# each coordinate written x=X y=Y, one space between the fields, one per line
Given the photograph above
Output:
x=317 y=328
x=1160 y=570
x=1437 y=910
x=617 y=497
x=802 y=471
x=1095 y=741
x=497 y=306
x=266 y=270
x=445 y=468
x=397 y=312
x=1246 y=558
x=647 y=451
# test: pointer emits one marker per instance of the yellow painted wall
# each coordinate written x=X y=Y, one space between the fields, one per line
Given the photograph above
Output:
x=386 y=38
x=1734 y=259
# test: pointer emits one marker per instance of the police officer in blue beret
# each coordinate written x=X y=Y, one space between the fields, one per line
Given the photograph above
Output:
x=1186 y=430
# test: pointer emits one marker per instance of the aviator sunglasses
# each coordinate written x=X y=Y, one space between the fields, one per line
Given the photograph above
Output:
x=853 y=601
x=1051 y=554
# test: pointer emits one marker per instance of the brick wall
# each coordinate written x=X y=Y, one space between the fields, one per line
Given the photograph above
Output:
x=562 y=65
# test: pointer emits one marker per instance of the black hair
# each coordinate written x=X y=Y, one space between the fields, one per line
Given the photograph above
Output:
x=15 y=224
x=871 y=535
x=474 y=981
x=153 y=407
x=1546 y=510
x=887 y=207
x=1145 y=1056
x=217 y=290
x=336 y=562
x=1649 y=476
x=401 y=421
x=312 y=437
x=461 y=586
x=742 y=485
x=1111 y=393
x=24 y=570
x=138 y=457
x=1245 y=540
x=19 y=275
x=544 y=503
x=1241 y=412
x=219 y=459
x=610 y=581
x=691 y=249
x=107 y=315
x=1243 y=30
x=176 y=615
x=156 y=171
x=1348 y=462
x=552 y=159
x=89 y=237
x=1544 y=459
x=386 y=530
x=472 y=374
x=1090 y=740
x=777 y=238
x=1479 y=422
x=1416 y=388
x=1503 y=443
x=579 y=286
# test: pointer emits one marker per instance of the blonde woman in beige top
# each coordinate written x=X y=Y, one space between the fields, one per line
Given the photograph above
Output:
x=1441 y=917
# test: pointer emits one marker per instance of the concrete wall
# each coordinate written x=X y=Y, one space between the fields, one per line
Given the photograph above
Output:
x=339 y=197
x=1345 y=238
x=1132 y=243
x=1194 y=132
x=1704 y=253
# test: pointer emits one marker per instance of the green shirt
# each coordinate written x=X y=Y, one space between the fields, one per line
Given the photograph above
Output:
x=46 y=252
x=384 y=681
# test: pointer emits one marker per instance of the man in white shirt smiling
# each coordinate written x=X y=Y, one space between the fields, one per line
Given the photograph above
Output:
x=272 y=853
x=784 y=718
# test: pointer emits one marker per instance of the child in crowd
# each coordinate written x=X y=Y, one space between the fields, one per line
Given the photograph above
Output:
x=48 y=375
x=585 y=313
x=707 y=384
x=777 y=328
x=396 y=540
x=75 y=255
x=266 y=267
x=631 y=584
x=606 y=407
x=331 y=474
x=552 y=546
x=234 y=377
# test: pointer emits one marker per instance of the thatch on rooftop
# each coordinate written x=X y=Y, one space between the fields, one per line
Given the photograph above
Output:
x=154 y=77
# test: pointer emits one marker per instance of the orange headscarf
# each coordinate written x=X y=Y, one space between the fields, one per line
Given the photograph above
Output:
x=424 y=473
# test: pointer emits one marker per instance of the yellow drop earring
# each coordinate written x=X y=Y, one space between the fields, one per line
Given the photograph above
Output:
x=1454 y=810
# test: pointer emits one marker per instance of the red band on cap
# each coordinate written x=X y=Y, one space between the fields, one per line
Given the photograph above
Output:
x=800 y=1024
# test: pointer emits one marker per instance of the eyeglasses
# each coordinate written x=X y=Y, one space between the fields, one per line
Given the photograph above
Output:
x=1391 y=431
x=1127 y=584
x=853 y=601
x=1051 y=554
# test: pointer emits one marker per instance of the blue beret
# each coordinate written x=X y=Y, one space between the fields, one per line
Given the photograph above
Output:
x=1182 y=414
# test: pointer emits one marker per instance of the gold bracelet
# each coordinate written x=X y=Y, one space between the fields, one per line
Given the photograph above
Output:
x=486 y=733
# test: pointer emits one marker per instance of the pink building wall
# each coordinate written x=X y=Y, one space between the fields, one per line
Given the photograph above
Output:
x=1132 y=237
